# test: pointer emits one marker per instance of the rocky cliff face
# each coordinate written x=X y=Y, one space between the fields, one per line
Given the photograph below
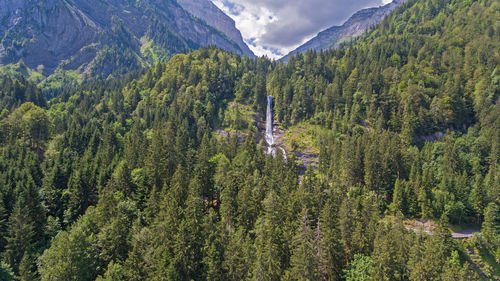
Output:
x=353 y=27
x=98 y=38
x=213 y=16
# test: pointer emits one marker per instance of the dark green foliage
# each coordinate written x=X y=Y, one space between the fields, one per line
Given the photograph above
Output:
x=391 y=253
x=304 y=261
x=429 y=257
x=14 y=92
x=73 y=255
x=491 y=228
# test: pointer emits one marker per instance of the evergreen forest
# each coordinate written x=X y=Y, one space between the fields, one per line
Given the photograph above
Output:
x=162 y=174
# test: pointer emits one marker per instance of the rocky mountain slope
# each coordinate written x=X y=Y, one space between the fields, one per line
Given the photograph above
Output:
x=95 y=38
x=213 y=16
x=353 y=27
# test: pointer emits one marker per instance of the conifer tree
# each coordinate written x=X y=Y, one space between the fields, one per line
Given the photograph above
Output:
x=390 y=254
x=304 y=262
x=491 y=227
x=397 y=204
x=190 y=237
x=26 y=228
x=268 y=242
x=328 y=244
x=213 y=249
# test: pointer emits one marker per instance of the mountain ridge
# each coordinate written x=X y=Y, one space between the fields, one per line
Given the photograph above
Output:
x=213 y=16
x=96 y=39
x=355 y=26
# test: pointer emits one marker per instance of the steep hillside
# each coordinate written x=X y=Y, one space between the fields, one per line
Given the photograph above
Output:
x=213 y=16
x=354 y=27
x=100 y=38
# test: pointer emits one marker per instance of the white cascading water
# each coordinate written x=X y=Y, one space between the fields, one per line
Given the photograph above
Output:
x=269 y=127
x=271 y=149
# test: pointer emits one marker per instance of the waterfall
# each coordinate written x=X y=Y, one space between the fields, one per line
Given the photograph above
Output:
x=271 y=149
x=269 y=126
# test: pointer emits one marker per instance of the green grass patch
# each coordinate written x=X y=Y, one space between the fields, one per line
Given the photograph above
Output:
x=303 y=137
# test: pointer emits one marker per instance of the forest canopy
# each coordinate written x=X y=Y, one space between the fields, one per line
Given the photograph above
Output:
x=132 y=179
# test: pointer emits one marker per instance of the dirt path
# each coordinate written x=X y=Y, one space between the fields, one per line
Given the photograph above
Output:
x=419 y=226
x=466 y=233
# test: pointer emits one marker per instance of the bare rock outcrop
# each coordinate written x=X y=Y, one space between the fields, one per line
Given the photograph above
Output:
x=100 y=38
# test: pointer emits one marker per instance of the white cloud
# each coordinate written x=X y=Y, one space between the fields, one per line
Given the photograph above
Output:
x=276 y=27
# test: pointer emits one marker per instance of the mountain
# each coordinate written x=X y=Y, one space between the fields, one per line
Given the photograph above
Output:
x=97 y=39
x=213 y=16
x=355 y=26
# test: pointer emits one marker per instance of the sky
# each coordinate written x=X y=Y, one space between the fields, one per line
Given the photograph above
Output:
x=276 y=27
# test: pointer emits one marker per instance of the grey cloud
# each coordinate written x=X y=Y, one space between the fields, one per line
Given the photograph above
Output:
x=299 y=19
x=233 y=7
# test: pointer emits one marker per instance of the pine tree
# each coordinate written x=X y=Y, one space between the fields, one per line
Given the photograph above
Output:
x=21 y=239
x=390 y=254
x=428 y=259
x=397 y=205
x=4 y=225
x=328 y=242
x=304 y=261
x=53 y=186
x=138 y=263
x=28 y=267
x=213 y=249
x=204 y=168
x=190 y=237
x=26 y=229
x=479 y=198
x=73 y=254
x=346 y=225
x=78 y=195
x=260 y=93
x=491 y=227
x=237 y=254
x=268 y=242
